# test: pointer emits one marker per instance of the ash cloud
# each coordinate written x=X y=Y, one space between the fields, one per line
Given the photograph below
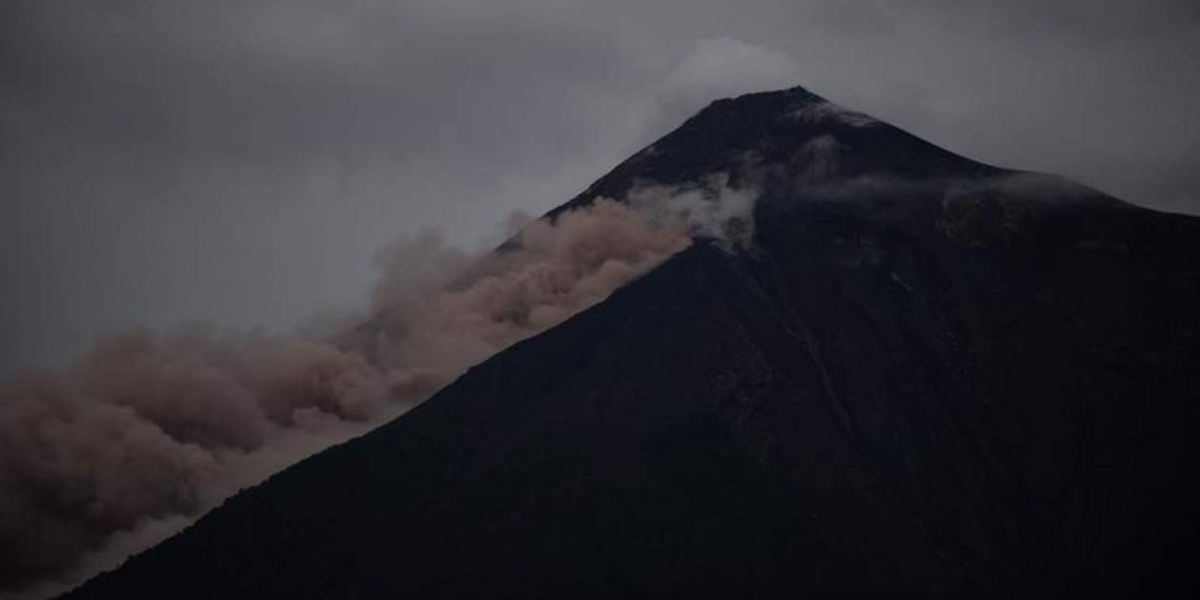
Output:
x=151 y=429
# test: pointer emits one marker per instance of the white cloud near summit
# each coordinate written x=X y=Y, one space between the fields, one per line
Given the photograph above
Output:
x=717 y=68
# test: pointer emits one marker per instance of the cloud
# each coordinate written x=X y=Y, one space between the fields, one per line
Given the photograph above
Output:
x=725 y=67
x=163 y=156
x=716 y=68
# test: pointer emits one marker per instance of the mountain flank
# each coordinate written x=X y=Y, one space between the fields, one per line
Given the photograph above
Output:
x=923 y=377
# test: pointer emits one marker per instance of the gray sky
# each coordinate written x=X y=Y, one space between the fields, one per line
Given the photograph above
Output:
x=241 y=160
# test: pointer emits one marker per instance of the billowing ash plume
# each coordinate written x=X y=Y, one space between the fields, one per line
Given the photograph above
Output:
x=150 y=430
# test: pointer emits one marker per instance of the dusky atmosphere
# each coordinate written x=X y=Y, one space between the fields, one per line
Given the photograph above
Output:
x=242 y=162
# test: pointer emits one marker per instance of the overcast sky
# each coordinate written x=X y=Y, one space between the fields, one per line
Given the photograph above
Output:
x=240 y=160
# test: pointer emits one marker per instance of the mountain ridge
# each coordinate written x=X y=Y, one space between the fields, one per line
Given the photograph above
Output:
x=954 y=380
x=765 y=123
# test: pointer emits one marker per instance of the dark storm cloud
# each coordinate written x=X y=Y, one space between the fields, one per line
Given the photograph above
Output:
x=163 y=159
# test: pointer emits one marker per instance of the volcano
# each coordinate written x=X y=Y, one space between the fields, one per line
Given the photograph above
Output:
x=923 y=376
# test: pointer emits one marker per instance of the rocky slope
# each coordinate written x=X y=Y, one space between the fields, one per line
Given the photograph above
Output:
x=924 y=377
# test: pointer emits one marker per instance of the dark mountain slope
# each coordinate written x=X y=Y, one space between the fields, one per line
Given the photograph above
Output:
x=927 y=377
x=787 y=134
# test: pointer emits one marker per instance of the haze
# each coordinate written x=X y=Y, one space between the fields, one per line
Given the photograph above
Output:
x=241 y=161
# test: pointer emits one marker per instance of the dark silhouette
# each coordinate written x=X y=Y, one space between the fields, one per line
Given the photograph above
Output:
x=926 y=377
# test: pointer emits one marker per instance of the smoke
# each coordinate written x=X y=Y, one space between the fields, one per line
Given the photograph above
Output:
x=150 y=426
x=149 y=429
x=824 y=111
